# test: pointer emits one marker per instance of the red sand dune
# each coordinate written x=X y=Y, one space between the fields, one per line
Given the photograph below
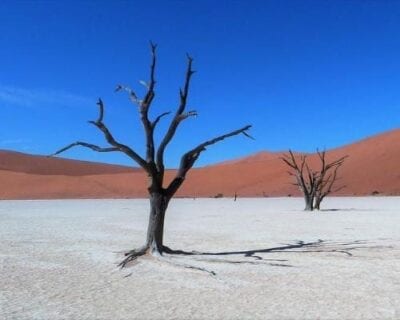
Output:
x=373 y=165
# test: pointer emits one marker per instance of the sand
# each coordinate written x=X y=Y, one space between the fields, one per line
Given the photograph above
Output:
x=58 y=260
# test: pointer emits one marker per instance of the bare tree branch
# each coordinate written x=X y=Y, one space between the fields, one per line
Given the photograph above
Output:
x=326 y=183
x=144 y=105
x=101 y=111
x=177 y=118
x=150 y=92
x=116 y=146
x=248 y=136
x=132 y=95
x=86 y=145
x=155 y=122
x=110 y=139
x=190 y=157
x=191 y=113
x=306 y=186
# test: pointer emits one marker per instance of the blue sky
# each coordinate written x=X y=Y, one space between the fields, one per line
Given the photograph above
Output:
x=305 y=74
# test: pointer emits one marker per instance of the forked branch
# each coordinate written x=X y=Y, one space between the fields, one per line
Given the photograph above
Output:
x=144 y=105
x=327 y=182
x=190 y=157
x=116 y=146
x=179 y=116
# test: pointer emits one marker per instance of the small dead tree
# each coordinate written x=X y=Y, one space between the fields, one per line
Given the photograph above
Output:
x=314 y=184
x=153 y=162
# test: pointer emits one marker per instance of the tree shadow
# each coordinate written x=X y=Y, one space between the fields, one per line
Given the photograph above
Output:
x=319 y=246
x=344 y=210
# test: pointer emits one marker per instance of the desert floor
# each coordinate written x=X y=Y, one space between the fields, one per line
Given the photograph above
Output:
x=272 y=260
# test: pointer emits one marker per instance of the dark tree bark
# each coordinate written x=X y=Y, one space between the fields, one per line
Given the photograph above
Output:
x=155 y=229
x=315 y=185
x=309 y=200
x=153 y=162
x=317 y=203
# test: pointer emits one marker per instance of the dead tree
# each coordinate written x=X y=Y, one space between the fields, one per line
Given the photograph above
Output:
x=314 y=184
x=153 y=162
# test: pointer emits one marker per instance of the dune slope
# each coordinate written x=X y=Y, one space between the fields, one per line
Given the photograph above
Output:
x=373 y=166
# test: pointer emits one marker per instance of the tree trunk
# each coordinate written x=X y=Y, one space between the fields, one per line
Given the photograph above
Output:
x=155 y=229
x=309 y=203
x=318 y=201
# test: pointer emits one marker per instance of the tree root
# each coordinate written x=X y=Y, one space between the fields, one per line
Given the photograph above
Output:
x=145 y=250
x=133 y=255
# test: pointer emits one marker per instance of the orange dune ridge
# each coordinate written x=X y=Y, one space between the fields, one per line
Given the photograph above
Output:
x=373 y=166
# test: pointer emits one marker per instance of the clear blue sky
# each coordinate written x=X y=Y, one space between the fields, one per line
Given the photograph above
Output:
x=305 y=74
